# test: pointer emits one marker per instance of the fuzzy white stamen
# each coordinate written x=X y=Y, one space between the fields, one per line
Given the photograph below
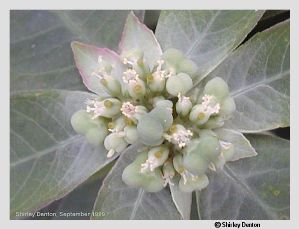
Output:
x=130 y=76
x=225 y=145
x=179 y=137
x=167 y=180
x=150 y=164
x=95 y=107
x=183 y=99
x=128 y=110
x=209 y=104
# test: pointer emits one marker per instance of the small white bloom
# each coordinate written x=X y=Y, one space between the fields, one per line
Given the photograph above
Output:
x=210 y=105
x=95 y=107
x=179 y=136
x=128 y=110
x=130 y=76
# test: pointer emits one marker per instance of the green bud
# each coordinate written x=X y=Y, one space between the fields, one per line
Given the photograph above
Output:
x=198 y=115
x=137 y=90
x=150 y=181
x=81 y=121
x=209 y=147
x=214 y=122
x=193 y=160
x=96 y=136
x=164 y=103
x=111 y=107
x=217 y=87
x=183 y=105
x=164 y=115
x=228 y=106
x=180 y=83
x=150 y=131
x=189 y=67
x=173 y=56
x=112 y=85
x=155 y=82
x=131 y=134
x=114 y=143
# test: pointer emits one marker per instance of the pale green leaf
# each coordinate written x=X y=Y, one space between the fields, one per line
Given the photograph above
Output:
x=119 y=201
x=136 y=36
x=48 y=159
x=251 y=188
x=258 y=74
x=40 y=40
x=242 y=146
x=205 y=36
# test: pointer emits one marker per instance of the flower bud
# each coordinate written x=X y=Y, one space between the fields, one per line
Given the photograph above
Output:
x=180 y=83
x=106 y=108
x=151 y=181
x=228 y=106
x=189 y=67
x=217 y=87
x=137 y=89
x=173 y=56
x=214 y=122
x=131 y=134
x=163 y=103
x=81 y=121
x=199 y=115
x=150 y=130
x=156 y=157
x=96 y=136
x=193 y=160
x=114 y=143
x=164 y=115
x=112 y=85
x=183 y=105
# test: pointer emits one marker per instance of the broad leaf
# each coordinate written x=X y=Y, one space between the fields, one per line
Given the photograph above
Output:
x=48 y=159
x=206 y=37
x=87 y=62
x=182 y=200
x=242 y=146
x=40 y=51
x=137 y=36
x=251 y=188
x=119 y=201
x=258 y=74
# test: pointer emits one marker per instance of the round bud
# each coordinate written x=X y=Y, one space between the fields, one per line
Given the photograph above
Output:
x=96 y=136
x=137 y=89
x=131 y=134
x=183 y=105
x=189 y=67
x=214 y=122
x=112 y=85
x=150 y=131
x=164 y=115
x=156 y=82
x=111 y=107
x=115 y=142
x=217 y=87
x=198 y=115
x=193 y=160
x=173 y=56
x=198 y=183
x=81 y=121
x=164 y=103
x=209 y=148
x=159 y=155
x=228 y=106
x=180 y=83
x=154 y=182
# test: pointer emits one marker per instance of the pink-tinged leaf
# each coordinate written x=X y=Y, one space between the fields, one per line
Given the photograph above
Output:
x=137 y=36
x=86 y=58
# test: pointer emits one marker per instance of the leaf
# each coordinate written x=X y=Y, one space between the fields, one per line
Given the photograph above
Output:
x=86 y=58
x=242 y=146
x=253 y=188
x=258 y=74
x=182 y=200
x=205 y=36
x=121 y=202
x=137 y=36
x=48 y=159
x=40 y=40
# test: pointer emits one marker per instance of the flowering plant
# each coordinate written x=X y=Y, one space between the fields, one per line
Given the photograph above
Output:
x=170 y=109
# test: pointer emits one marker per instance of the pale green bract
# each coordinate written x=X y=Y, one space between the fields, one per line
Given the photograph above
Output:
x=150 y=105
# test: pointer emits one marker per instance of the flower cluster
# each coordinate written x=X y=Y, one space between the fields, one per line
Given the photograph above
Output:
x=150 y=104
